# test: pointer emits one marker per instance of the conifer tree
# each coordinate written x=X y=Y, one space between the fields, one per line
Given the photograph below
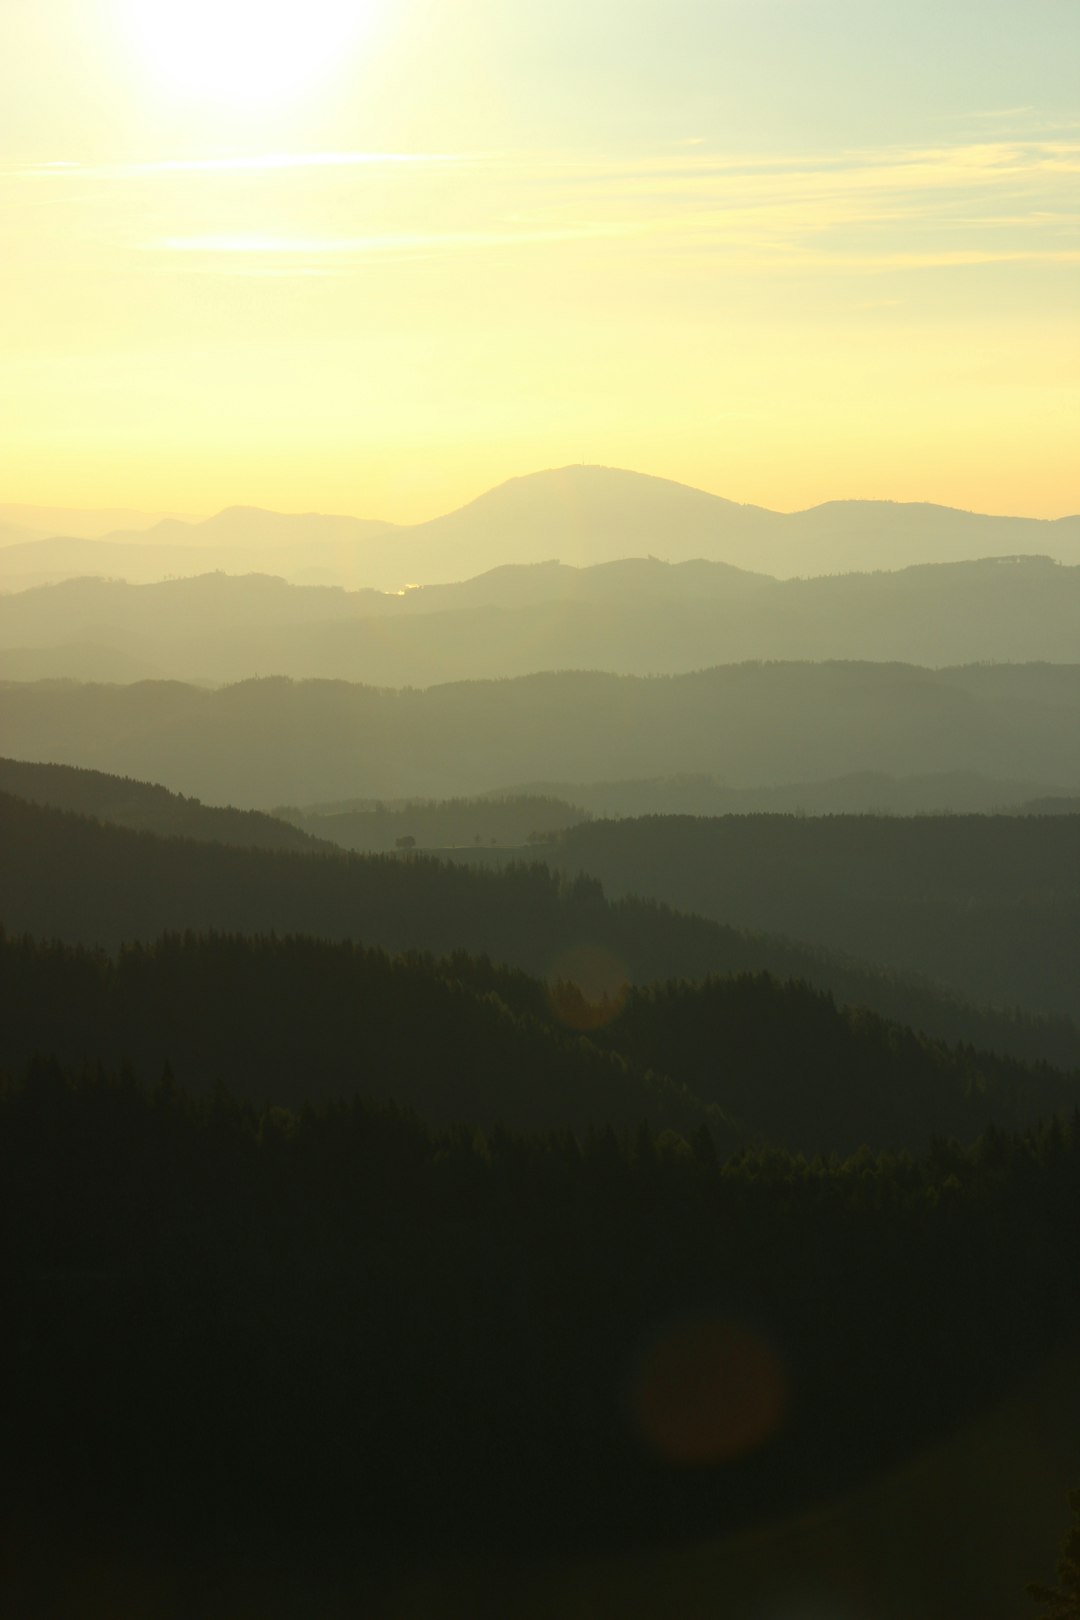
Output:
x=1062 y=1602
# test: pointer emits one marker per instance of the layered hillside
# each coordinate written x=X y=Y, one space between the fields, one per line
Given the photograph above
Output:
x=66 y=877
x=270 y=742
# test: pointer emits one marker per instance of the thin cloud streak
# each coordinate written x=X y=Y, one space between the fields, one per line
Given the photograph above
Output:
x=237 y=164
x=383 y=244
x=860 y=211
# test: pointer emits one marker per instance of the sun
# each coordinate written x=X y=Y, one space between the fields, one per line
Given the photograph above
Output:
x=246 y=50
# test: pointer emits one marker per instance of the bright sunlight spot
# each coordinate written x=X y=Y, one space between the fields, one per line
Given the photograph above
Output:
x=247 y=50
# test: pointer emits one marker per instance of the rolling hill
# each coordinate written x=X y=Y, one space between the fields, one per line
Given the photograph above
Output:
x=145 y=807
x=989 y=905
x=67 y=877
x=269 y=742
x=633 y=617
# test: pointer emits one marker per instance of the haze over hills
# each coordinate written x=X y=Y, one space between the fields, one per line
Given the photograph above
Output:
x=328 y=551
x=580 y=515
x=857 y=793
x=272 y=742
x=21 y=521
x=636 y=616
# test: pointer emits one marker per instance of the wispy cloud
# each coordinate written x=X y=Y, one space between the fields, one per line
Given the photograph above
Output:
x=401 y=242
x=976 y=202
x=240 y=163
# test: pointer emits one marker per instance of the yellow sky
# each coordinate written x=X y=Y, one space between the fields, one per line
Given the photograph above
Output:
x=383 y=257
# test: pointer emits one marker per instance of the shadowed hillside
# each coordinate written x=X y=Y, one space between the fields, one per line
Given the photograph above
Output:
x=143 y=807
x=296 y=1022
x=66 y=877
x=987 y=904
x=287 y=1274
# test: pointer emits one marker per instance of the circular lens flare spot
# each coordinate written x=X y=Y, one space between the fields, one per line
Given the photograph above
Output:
x=708 y=1391
x=586 y=986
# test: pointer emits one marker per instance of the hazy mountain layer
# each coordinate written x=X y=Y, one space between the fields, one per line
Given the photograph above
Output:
x=522 y=818
x=859 y=793
x=581 y=515
x=631 y=617
x=517 y=821
x=35 y=522
x=271 y=742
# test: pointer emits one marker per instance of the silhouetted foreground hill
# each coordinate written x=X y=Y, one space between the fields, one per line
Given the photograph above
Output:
x=65 y=877
x=581 y=515
x=271 y=742
x=144 y=807
x=987 y=904
x=335 y=1344
x=636 y=616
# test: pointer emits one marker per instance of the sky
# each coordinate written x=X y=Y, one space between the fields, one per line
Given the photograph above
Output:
x=377 y=256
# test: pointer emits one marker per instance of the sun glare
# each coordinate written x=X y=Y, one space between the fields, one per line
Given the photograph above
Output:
x=246 y=50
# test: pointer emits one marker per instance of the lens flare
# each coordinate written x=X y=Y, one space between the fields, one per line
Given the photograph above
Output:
x=587 y=986
x=707 y=1391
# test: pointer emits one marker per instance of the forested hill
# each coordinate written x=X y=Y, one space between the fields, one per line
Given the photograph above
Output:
x=387 y=1350
x=294 y=1021
x=987 y=904
x=289 y=1022
x=146 y=807
x=66 y=877
x=507 y=820
x=271 y=742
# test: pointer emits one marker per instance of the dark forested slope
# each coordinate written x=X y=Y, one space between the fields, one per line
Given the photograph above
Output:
x=293 y=1021
x=293 y=1344
x=66 y=877
x=145 y=807
x=988 y=904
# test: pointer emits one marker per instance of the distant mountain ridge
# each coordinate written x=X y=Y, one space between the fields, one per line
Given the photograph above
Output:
x=25 y=521
x=581 y=515
x=637 y=616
